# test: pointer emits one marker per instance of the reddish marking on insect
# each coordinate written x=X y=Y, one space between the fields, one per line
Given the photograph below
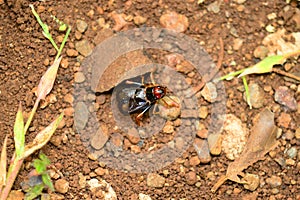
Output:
x=159 y=92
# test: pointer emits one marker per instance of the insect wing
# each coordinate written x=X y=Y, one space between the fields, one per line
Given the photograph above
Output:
x=123 y=98
x=137 y=104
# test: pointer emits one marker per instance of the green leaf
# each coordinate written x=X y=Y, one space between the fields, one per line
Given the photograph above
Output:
x=62 y=27
x=44 y=159
x=41 y=164
x=34 y=192
x=3 y=163
x=42 y=137
x=47 y=181
x=264 y=66
x=19 y=135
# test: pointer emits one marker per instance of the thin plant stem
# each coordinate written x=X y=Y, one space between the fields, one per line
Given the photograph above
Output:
x=63 y=43
x=28 y=122
x=278 y=71
x=233 y=74
x=247 y=91
x=44 y=27
x=12 y=174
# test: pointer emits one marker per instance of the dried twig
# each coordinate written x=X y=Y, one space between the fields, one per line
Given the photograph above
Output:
x=278 y=71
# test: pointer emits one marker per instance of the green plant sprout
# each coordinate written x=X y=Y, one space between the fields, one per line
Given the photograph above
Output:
x=264 y=66
x=22 y=151
x=40 y=166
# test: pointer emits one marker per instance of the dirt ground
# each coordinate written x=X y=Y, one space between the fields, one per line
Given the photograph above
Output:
x=25 y=55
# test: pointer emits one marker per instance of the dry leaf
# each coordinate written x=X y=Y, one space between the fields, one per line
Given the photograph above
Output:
x=3 y=164
x=262 y=139
x=19 y=135
x=47 y=81
x=279 y=43
x=42 y=137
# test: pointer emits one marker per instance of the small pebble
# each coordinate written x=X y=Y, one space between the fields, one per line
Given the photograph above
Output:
x=257 y=95
x=79 y=77
x=40 y=9
x=289 y=135
x=274 y=181
x=119 y=19
x=297 y=133
x=138 y=20
x=69 y=111
x=168 y=128
x=90 y=14
x=203 y=133
x=100 y=171
x=240 y=8
x=170 y=113
x=144 y=197
x=281 y=161
x=203 y=112
x=191 y=178
x=234 y=136
x=214 y=7
x=69 y=98
x=56 y=140
x=252 y=181
x=194 y=161
x=155 y=180
x=81 y=181
x=102 y=188
x=46 y=62
x=261 y=52
x=78 y=35
x=116 y=138
x=100 y=138
x=184 y=67
x=81 y=26
x=202 y=149
x=240 y=1
x=61 y=186
x=15 y=195
x=284 y=96
x=57 y=196
x=209 y=92
x=72 y=53
x=292 y=152
x=237 y=43
x=84 y=47
x=174 y=21
x=215 y=143
x=284 y=120
x=275 y=191
x=64 y=63
x=271 y=16
x=270 y=28
x=290 y=162
x=133 y=136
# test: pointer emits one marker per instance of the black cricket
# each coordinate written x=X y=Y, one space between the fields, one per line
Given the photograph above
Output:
x=140 y=99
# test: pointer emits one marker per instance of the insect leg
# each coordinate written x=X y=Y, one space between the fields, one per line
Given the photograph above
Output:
x=140 y=115
x=152 y=78
x=170 y=104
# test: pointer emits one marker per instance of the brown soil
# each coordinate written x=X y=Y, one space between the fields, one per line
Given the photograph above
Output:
x=26 y=54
